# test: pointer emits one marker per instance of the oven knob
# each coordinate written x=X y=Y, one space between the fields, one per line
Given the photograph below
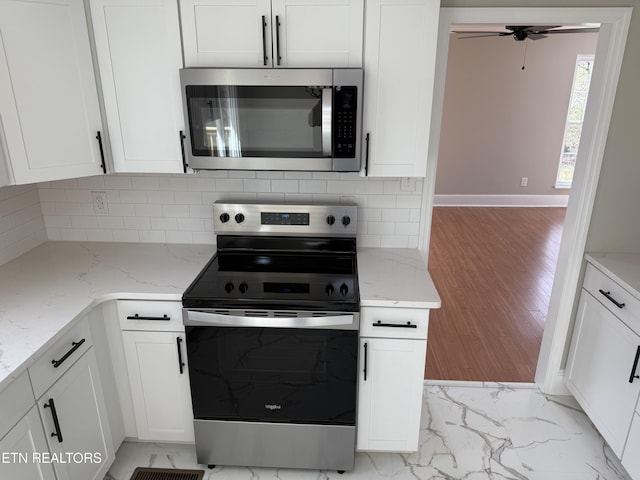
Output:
x=224 y=217
x=239 y=218
x=228 y=287
x=331 y=219
x=346 y=220
x=243 y=287
x=344 y=289
x=329 y=289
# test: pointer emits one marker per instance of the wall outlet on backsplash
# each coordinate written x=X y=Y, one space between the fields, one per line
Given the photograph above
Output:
x=408 y=184
x=100 y=205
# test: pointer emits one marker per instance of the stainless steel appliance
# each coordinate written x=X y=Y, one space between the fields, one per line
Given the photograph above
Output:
x=262 y=119
x=272 y=338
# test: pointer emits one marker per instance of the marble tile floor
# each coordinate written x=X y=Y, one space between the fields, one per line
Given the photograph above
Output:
x=469 y=430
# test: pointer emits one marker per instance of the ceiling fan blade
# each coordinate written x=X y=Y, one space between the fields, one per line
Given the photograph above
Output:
x=479 y=36
x=574 y=30
x=536 y=36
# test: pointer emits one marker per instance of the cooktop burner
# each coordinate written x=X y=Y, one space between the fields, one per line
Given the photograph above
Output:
x=271 y=261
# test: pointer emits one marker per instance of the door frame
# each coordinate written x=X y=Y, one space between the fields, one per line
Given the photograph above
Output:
x=614 y=26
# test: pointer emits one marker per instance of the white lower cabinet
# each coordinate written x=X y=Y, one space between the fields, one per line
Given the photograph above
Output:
x=391 y=378
x=630 y=457
x=159 y=385
x=74 y=418
x=22 y=447
x=602 y=362
x=156 y=361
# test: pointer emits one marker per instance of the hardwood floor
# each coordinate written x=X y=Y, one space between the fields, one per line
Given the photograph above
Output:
x=494 y=269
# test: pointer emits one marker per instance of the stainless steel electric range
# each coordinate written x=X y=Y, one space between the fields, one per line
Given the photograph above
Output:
x=272 y=338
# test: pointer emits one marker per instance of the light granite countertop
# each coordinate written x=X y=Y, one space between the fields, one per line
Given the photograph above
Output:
x=395 y=277
x=45 y=290
x=624 y=268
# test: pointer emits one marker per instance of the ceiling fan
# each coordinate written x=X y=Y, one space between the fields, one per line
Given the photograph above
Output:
x=523 y=32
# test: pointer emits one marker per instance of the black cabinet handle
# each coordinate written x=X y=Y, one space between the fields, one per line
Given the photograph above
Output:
x=185 y=165
x=180 y=362
x=364 y=370
x=56 y=424
x=74 y=347
x=366 y=157
x=165 y=317
x=103 y=165
x=611 y=299
x=278 y=57
x=396 y=325
x=635 y=366
x=263 y=23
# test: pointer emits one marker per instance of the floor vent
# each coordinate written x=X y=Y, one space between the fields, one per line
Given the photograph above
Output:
x=143 y=473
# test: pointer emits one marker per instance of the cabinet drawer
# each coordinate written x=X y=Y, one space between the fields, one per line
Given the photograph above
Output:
x=159 y=316
x=15 y=401
x=598 y=284
x=394 y=322
x=57 y=359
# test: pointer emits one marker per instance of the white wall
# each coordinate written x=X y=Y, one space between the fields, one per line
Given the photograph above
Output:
x=177 y=208
x=21 y=223
x=501 y=123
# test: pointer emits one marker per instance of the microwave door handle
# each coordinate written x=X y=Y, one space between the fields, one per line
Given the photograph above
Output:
x=327 y=102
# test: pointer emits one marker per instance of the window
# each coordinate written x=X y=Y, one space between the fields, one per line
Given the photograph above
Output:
x=575 y=118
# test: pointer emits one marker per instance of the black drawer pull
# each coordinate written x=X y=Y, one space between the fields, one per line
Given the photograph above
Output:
x=56 y=424
x=635 y=366
x=611 y=299
x=138 y=317
x=364 y=370
x=396 y=325
x=180 y=362
x=74 y=347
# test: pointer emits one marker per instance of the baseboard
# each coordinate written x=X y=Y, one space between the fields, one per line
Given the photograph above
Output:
x=500 y=200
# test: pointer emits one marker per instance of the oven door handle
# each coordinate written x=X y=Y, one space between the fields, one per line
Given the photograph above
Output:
x=196 y=318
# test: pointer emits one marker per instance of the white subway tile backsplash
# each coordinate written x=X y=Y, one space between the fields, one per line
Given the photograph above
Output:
x=255 y=185
x=22 y=224
x=178 y=208
x=285 y=186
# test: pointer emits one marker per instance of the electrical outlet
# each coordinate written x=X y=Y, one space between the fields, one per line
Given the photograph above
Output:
x=408 y=184
x=100 y=206
x=524 y=181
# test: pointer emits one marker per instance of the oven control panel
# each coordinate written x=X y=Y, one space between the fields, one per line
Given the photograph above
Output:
x=335 y=220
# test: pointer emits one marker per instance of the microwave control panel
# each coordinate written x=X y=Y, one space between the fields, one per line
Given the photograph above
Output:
x=344 y=121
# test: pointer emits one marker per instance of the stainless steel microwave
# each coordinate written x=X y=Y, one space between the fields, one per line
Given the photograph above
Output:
x=261 y=119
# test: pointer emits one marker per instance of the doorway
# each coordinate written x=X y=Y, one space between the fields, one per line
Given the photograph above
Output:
x=492 y=259
x=614 y=26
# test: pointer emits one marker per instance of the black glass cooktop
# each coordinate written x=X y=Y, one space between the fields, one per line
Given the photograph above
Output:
x=310 y=274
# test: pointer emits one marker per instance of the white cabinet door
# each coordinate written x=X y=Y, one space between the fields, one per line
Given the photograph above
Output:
x=599 y=368
x=390 y=397
x=138 y=49
x=630 y=457
x=399 y=68
x=77 y=401
x=282 y=33
x=48 y=99
x=24 y=443
x=226 y=33
x=159 y=388
x=317 y=33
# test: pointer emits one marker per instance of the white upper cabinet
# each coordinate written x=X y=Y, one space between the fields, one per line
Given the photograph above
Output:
x=277 y=33
x=399 y=68
x=138 y=50
x=49 y=110
x=317 y=33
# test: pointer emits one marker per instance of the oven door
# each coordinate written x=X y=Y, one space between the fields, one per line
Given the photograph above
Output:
x=267 y=374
